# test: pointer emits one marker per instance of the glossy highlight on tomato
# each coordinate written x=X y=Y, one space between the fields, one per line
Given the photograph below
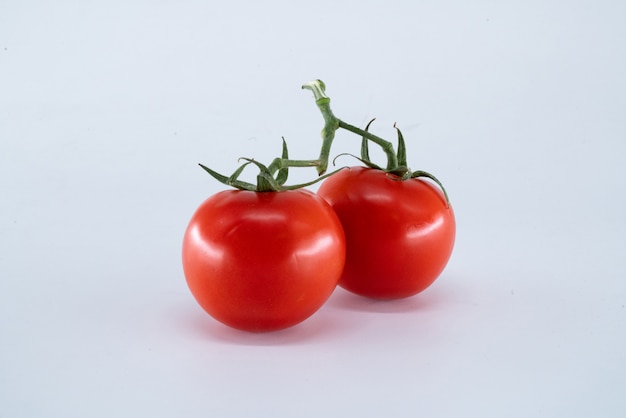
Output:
x=263 y=261
x=399 y=233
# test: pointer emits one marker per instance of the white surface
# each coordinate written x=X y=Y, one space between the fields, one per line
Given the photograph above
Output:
x=105 y=109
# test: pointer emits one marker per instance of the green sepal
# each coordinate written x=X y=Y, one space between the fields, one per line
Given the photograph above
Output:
x=401 y=148
x=368 y=163
x=217 y=176
x=232 y=180
x=283 y=173
x=402 y=171
x=417 y=174
x=365 y=150
x=265 y=181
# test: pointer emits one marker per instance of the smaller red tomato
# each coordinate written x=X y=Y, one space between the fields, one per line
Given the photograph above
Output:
x=263 y=261
x=399 y=233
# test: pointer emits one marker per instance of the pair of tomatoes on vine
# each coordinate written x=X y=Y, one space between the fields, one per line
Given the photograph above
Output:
x=266 y=256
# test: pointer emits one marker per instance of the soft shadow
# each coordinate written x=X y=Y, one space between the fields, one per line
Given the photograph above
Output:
x=428 y=299
x=319 y=328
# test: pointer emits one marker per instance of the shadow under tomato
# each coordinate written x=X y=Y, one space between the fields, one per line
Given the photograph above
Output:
x=426 y=300
x=320 y=327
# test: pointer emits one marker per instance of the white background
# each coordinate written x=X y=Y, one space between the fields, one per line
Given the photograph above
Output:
x=107 y=107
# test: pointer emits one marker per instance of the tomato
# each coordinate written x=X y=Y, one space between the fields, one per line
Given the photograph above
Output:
x=399 y=234
x=263 y=261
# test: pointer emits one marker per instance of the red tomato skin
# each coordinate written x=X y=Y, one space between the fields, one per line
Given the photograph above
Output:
x=263 y=261
x=399 y=234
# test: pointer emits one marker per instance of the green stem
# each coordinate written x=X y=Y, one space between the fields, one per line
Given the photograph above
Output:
x=332 y=123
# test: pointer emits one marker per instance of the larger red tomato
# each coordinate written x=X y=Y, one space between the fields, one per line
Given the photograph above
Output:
x=399 y=234
x=263 y=261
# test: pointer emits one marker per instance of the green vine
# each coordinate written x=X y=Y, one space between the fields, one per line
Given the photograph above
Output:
x=274 y=176
x=396 y=162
